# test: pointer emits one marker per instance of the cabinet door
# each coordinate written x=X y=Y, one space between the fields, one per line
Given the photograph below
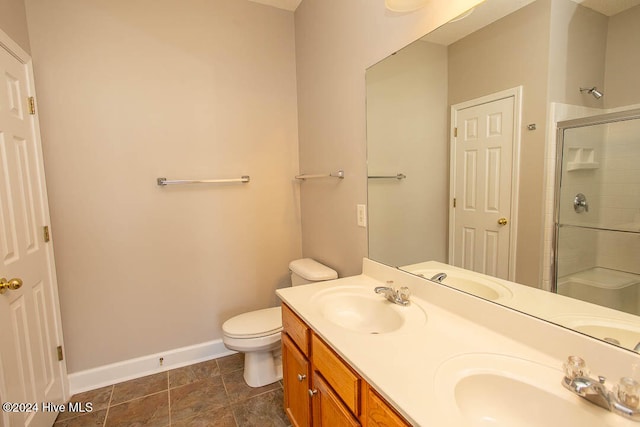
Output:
x=379 y=414
x=328 y=409
x=295 y=368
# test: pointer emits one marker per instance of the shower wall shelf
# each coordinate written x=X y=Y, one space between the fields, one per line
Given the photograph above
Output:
x=574 y=166
x=164 y=181
x=581 y=158
x=339 y=174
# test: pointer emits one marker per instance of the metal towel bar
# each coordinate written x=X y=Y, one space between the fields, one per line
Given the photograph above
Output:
x=165 y=181
x=398 y=176
x=339 y=174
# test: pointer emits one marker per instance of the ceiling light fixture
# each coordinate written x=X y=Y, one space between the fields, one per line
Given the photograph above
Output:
x=404 y=5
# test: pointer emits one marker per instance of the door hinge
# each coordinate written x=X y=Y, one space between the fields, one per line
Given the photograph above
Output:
x=45 y=233
x=454 y=202
x=455 y=132
x=60 y=355
x=32 y=105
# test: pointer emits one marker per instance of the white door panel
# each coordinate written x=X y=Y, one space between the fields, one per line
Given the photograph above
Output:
x=29 y=369
x=482 y=157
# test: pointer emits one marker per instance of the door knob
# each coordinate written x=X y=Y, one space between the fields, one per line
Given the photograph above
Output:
x=12 y=285
x=502 y=221
x=301 y=377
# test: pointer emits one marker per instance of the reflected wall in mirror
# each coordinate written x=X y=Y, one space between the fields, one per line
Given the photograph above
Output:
x=536 y=56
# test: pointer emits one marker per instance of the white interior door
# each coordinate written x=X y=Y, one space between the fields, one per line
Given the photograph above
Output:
x=482 y=171
x=30 y=334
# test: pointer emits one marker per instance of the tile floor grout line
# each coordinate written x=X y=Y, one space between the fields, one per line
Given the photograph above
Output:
x=169 y=397
x=106 y=414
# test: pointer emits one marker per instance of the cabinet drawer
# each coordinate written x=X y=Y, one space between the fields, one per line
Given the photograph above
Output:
x=293 y=326
x=340 y=377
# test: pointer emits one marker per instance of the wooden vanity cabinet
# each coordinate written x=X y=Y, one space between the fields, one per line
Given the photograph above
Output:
x=322 y=390
x=379 y=414
x=296 y=369
x=328 y=409
x=296 y=374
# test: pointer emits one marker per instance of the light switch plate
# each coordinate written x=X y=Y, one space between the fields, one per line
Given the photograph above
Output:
x=362 y=215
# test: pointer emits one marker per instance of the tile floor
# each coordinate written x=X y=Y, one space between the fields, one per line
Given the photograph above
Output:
x=210 y=393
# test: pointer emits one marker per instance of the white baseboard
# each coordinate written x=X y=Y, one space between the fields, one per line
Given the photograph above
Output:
x=102 y=376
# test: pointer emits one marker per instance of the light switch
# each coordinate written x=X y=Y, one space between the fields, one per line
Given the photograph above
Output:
x=362 y=215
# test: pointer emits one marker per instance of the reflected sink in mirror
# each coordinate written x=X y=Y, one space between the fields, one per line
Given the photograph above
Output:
x=465 y=281
x=616 y=331
x=497 y=390
x=360 y=309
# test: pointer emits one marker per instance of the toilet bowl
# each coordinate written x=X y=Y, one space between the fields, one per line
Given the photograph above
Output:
x=257 y=333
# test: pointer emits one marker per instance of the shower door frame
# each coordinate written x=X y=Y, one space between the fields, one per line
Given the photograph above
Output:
x=600 y=119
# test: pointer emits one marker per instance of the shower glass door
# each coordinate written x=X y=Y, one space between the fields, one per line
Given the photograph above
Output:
x=597 y=242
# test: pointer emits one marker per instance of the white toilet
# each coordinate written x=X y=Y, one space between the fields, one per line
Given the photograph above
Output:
x=257 y=333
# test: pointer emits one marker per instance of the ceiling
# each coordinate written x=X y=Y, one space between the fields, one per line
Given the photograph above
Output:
x=490 y=11
x=608 y=7
x=280 y=4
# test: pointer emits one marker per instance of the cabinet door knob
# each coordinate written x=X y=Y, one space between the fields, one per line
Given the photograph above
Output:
x=313 y=392
x=301 y=377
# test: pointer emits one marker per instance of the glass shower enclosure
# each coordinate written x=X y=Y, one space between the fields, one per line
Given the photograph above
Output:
x=597 y=216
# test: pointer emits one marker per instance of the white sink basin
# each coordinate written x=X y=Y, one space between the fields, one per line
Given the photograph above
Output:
x=360 y=309
x=502 y=391
x=626 y=333
x=468 y=282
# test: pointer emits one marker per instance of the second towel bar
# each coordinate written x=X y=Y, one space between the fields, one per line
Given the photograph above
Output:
x=339 y=174
x=165 y=181
x=398 y=176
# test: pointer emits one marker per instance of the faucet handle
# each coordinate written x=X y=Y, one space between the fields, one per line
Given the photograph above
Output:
x=628 y=392
x=404 y=293
x=575 y=366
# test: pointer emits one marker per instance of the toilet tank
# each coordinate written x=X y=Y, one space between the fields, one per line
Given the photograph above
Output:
x=307 y=270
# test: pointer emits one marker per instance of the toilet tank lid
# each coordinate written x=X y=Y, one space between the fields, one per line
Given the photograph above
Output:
x=311 y=269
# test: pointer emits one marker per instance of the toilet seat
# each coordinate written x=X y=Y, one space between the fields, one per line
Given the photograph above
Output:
x=254 y=324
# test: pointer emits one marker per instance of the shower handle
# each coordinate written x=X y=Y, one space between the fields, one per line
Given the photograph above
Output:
x=580 y=203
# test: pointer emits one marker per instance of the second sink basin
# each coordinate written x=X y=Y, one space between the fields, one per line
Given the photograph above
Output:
x=497 y=390
x=468 y=282
x=624 y=333
x=360 y=309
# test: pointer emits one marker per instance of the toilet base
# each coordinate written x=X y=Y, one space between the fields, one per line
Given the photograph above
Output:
x=262 y=367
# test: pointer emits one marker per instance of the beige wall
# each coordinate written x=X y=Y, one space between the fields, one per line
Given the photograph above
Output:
x=132 y=91
x=336 y=41
x=577 y=54
x=623 y=62
x=407 y=133
x=13 y=21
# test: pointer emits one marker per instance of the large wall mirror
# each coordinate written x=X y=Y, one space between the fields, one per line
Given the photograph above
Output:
x=507 y=142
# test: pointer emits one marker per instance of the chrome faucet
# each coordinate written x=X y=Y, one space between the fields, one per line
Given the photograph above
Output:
x=592 y=390
x=623 y=400
x=439 y=277
x=396 y=296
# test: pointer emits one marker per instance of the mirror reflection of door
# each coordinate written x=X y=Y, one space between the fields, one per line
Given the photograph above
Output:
x=482 y=168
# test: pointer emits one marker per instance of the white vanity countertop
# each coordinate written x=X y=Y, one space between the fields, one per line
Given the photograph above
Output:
x=405 y=366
